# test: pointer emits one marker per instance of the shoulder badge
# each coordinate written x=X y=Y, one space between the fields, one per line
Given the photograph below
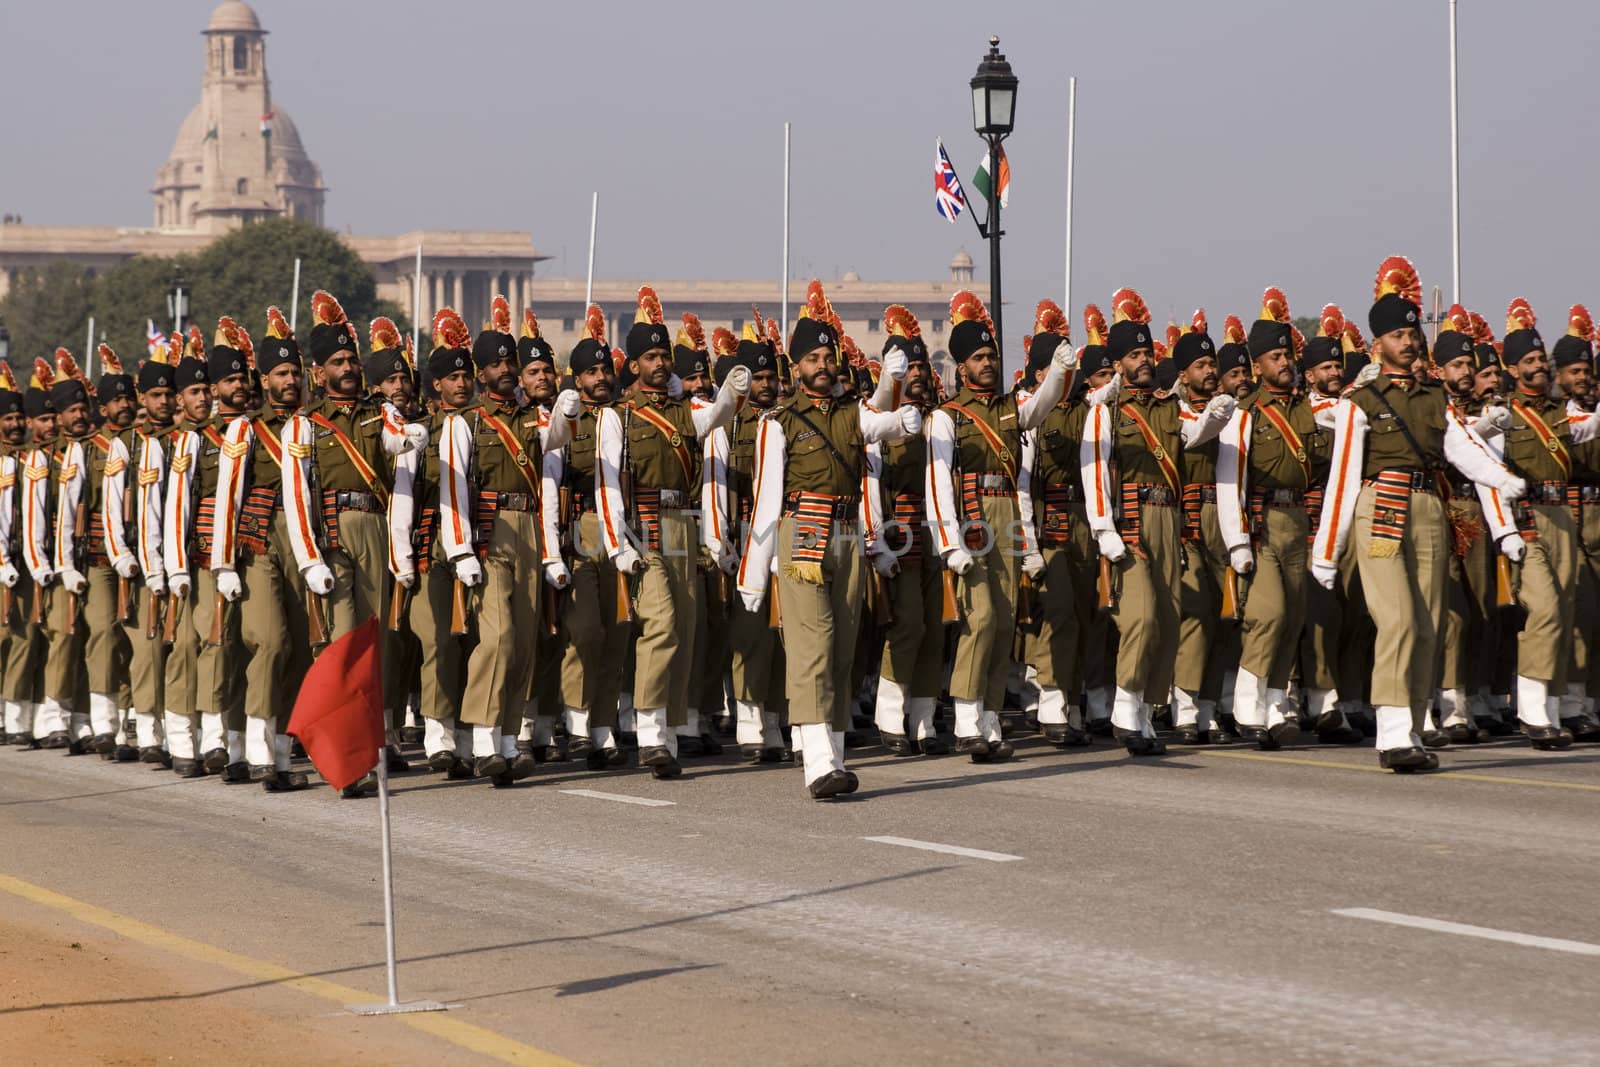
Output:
x=181 y=463
x=116 y=466
x=298 y=450
x=149 y=476
x=235 y=449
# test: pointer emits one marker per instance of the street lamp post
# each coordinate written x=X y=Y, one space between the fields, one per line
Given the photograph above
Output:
x=994 y=106
x=5 y=344
x=177 y=302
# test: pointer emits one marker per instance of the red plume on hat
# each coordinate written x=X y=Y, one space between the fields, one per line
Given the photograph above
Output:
x=775 y=336
x=8 y=380
x=966 y=307
x=1397 y=275
x=1274 y=305
x=384 y=334
x=1198 y=323
x=723 y=342
x=898 y=321
x=1459 y=320
x=227 y=333
x=1233 y=330
x=66 y=366
x=1519 y=316
x=1094 y=325
x=1353 y=341
x=325 y=310
x=44 y=375
x=449 y=331
x=619 y=359
x=246 y=348
x=530 y=323
x=278 y=326
x=1128 y=306
x=500 y=314
x=1298 y=338
x=594 y=324
x=691 y=334
x=649 y=307
x=108 y=359
x=1579 y=324
x=816 y=305
x=195 y=348
x=1049 y=318
x=1174 y=331
x=1331 y=322
x=1481 y=333
x=852 y=351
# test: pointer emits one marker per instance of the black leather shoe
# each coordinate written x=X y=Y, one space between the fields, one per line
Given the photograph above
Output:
x=214 y=760
x=396 y=763
x=58 y=739
x=459 y=771
x=899 y=744
x=80 y=746
x=235 y=773
x=1001 y=749
x=126 y=754
x=159 y=757
x=1100 y=727
x=1546 y=738
x=852 y=783
x=365 y=786
x=598 y=760
x=579 y=747
x=1187 y=735
x=751 y=753
x=933 y=746
x=22 y=741
x=259 y=773
x=627 y=739
x=103 y=744
x=1220 y=734
x=285 y=782
x=521 y=767
x=489 y=766
x=1254 y=735
x=1460 y=733
x=1407 y=760
x=615 y=757
x=1435 y=739
x=1286 y=732
x=832 y=784
x=975 y=747
x=1064 y=735
x=1330 y=729
x=785 y=754
x=659 y=768
x=1497 y=726
x=442 y=761
x=188 y=768
x=689 y=746
x=1582 y=728
x=1140 y=745
x=411 y=735
x=710 y=746
x=1365 y=721
x=776 y=754
x=550 y=753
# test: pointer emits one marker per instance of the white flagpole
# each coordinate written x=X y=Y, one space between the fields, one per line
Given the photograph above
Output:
x=88 y=351
x=785 y=299
x=1455 y=171
x=1072 y=122
x=294 y=298
x=416 y=302
x=594 y=218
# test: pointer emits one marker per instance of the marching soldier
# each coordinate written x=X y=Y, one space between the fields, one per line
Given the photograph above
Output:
x=1233 y=360
x=692 y=365
x=1391 y=439
x=974 y=444
x=254 y=564
x=20 y=668
x=655 y=446
x=1143 y=437
x=808 y=483
x=1572 y=358
x=36 y=519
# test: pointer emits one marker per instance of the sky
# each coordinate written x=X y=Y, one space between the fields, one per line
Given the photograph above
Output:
x=1221 y=147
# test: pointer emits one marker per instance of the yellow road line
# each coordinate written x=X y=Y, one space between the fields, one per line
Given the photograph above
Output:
x=1466 y=776
x=458 y=1033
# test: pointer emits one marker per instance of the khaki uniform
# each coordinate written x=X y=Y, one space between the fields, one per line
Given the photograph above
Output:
x=1471 y=621
x=1583 y=672
x=24 y=655
x=36 y=508
x=133 y=496
x=75 y=666
x=1208 y=645
x=757 y=664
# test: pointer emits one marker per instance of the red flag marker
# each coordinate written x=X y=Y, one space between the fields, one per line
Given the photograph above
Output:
x=338 y=715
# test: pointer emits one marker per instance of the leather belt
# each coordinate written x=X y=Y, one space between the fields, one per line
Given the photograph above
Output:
x=1589 y=494
x=674 y=498
x=516 y=502
x=1421 y=481
x=1074 y=491
x=355 y=500
x=1283 y=498
x=846 y=509
x=993 y=483
x=1554 y=493
x=1159 y=495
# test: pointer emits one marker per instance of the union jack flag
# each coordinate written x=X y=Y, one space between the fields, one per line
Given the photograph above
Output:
x=154 y=339
x=948 y=196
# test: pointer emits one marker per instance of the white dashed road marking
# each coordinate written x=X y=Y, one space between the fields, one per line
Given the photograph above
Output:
x=643 y=802
x=1488 y=933
x=953 y=850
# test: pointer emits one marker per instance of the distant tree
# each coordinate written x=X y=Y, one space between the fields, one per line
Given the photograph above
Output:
x=1307 y=324
x=131 y=296
x=46 y=308
x=253 y=268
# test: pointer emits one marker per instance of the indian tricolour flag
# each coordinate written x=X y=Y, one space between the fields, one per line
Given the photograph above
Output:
x=980 y=180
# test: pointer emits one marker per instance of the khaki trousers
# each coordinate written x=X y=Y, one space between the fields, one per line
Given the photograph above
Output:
x=711 y=648
x=758 y=659
x=273 y=627
x=1358 y=635
x=1146 y=612
x=1584 y=667
x=820 y=624
x=444 y=657
x=596 y=643
x=506 y=606
x=220 y=672
x=913 y=644
x=1065 y=607
x=23 y=679
x=1319 y=640
x=1202 y=632
x=1469 y=607
x=1275 y=606
x=106 y=648
x=1406 y=601
x=66 y=677
x=988 y=596
x=1547 y=591
x=665 y=604
x=147 y=658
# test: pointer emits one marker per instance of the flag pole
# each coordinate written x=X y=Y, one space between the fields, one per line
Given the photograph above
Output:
x=1072 y=122
x=594 y=218
x=785 y=287
x=1455 y=171
x=294 y=297
x=416 y=300
x=88 y=351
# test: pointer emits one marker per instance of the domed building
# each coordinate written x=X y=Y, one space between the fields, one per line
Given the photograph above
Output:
x=237 y=157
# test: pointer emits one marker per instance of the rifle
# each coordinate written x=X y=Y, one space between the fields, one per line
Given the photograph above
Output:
x=7 y=603
x=74 y=603
x=36 y=617
x=1105 y=589
x=551 y=606
x=1232 y=608
x=317 y=621
x=316 y=615
x=169 y=626
x=399 y=600
x=950 y=603
x=152 y=617
x=883 y=603
x=774 y=606
x=219 y=608
x=125 y=611
x=458 y=609
x=730 y=585
x=625 y=612
x=1025 y=619
x=1503 y=597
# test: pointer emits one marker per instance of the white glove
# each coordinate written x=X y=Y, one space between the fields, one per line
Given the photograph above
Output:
x=1107 y=394
x=319 y=579
x=180 y=585
x=408 y=579
x=569 y=403
x=1220 y=408
x=675 y=387
x=74 y=580
x=738 y=380
x=557 y=575
x=156 y=583
x=416 y=436
x=229 y=586
x=1513 y=488
x=1493 y=421
x=8 y=575
x=728 y=561
x=1241 y=559
x=1111 y=546
x=1513 y=547
x=1032 y=564
x=958 y=560
x=126 y=566
x=468 y=572
x=627 y=560
x=885 y=563
x=753 y=600
x=910 y=420
x=1324 y=573
x=895 y=364
x=1365 y=375
x=1065 y=357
